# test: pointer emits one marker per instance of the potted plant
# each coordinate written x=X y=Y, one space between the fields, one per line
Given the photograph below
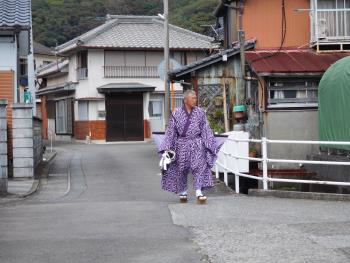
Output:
x=239 y=112
x=252 y=152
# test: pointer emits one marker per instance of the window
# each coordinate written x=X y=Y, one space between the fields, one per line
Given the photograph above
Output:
x=64 y=117
x=61 y=117
x=82 y=70
x=332 y=19
x=155 y=108
x=292 y=93
x=83 y=110
x=178 y=101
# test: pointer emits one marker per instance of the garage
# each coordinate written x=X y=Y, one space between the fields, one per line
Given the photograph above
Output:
x=124 y=111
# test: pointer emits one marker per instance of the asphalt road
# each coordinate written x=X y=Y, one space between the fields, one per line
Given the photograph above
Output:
x=112 y=210
x=103 y=203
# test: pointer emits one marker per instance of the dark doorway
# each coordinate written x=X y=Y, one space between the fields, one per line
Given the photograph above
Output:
x=124 y=117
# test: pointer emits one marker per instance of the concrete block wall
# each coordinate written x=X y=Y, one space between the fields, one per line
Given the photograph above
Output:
x=22 y=128
x=3 y=147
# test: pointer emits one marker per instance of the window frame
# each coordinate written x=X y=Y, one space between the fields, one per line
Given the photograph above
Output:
x=68 y=115
x=162 y=107
x=339 y=18
x=311 y=84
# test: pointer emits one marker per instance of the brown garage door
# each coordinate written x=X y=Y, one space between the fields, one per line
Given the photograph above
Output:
x=124 y=116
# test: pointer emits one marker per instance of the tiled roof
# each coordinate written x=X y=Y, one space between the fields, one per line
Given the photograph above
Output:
x=205 y=62
x=63 y=87
x=15 y=13
x=137 y=32
x=291 y=61
x=53 y=67
x=43 y=50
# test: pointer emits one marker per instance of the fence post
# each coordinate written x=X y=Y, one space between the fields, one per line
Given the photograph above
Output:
x=236 y=164
x=264 y=162
x=216 y=171
x=225 y=164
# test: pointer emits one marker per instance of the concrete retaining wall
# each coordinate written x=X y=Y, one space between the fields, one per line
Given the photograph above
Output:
x=3 y=147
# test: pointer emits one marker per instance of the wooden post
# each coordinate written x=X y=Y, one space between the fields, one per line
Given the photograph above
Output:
x=225 y=107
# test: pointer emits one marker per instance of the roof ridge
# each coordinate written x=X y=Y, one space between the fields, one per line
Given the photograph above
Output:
x=110 y=17
x=115 y=20
x=180 y=29
x=88 y=35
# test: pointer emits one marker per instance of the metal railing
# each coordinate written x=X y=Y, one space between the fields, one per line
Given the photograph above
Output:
x=332 y=23
x=265 y=160
x=131 y=72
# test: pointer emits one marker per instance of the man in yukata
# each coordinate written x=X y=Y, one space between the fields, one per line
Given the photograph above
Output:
x=190 y=137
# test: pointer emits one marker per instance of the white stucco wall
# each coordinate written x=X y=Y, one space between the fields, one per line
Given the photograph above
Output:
x=57 y=80
x=39 y=59
x=73 y=65
x=88 y=87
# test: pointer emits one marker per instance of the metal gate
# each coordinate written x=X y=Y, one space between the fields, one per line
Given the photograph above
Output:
x=124 y=117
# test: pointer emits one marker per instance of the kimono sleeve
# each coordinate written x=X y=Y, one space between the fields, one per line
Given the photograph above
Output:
x=170 y=136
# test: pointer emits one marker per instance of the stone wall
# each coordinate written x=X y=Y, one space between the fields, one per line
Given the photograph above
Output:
x=3 y=147
x=22 y=127
x=37 y=141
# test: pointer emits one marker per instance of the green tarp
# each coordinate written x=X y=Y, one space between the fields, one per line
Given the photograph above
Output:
x=334 y=104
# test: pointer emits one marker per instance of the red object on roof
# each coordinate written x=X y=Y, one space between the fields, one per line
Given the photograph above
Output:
x=291 y=61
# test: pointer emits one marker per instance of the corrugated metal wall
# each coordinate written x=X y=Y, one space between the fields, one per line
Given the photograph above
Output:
x=262 y=20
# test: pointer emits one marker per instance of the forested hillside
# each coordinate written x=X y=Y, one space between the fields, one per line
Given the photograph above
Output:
x=56 y=21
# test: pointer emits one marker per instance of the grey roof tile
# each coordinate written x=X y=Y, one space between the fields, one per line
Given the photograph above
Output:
x=142 y=32
x=41 y=49
x=15 y=13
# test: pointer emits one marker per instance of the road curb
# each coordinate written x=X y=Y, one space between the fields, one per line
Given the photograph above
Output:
x=299 y=195
x=36 y=182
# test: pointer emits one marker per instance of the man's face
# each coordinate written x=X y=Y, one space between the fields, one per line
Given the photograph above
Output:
x=191 y=100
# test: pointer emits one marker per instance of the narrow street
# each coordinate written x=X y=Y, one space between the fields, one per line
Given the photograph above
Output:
x=114 y=211
x=103 y=203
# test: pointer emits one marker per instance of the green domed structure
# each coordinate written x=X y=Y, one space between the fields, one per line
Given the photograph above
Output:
x=334 y=104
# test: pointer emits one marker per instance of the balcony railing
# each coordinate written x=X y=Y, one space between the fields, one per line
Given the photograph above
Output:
x=131 y=72
x=332 y=24
x=82 y=73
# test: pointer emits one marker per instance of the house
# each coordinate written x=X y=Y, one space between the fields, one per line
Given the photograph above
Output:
x=42 y=56
x=16 y=80
x=213 y=78
x=16 y=58
x=296 y=42
x=108 y=86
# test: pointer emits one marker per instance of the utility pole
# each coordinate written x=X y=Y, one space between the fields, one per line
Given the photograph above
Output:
x=241 y=40
x=166 y=60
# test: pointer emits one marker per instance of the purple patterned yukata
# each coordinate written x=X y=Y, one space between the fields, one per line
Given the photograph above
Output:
x=189 y=135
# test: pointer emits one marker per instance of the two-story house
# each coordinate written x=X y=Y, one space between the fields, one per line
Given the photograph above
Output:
x=16 y=65
x=295 y=43
x=108 y=86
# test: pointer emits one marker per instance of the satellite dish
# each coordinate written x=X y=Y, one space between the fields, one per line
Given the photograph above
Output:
x=173 y=64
